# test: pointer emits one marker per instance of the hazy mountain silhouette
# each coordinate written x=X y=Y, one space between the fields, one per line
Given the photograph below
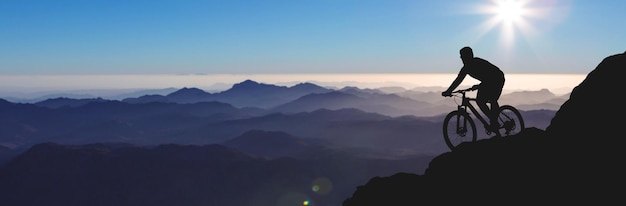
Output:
x=528 y=97
x=67 y=102
x=311 y=102
x=120 y=174
x=345 y=128
x=143 y=92
x=111 y=121
x=109 y=94
x=267 y=95
x=351 y=128
x=8 y=153
x=409 y=102
x=386 y=104
x=148 y=98
x=244 y=94
x=188 y=95
x=533 y=100
x=68 y=95
x=183 y=96
x=577 y=159
x=392 y=101
x=271 y=144
x=306 y=97
x=23 y=125
x=426 y=96
x=523 y=100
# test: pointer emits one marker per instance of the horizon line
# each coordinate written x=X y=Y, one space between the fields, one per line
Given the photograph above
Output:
x=22 y=84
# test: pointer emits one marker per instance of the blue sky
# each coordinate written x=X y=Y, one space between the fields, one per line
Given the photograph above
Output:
x=42 y=37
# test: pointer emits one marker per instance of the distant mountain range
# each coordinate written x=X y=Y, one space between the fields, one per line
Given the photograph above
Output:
x=307 y=97
x=410 y=118
x=252 y=144
x=245 y=94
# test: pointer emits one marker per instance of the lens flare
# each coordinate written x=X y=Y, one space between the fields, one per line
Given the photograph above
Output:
x=322 y=186
x=294 y=198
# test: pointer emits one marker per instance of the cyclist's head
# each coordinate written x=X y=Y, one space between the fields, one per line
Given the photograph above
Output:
x=466 y=53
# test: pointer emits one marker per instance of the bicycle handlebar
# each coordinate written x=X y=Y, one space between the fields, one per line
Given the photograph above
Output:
x=462 y=91
x=475 y=87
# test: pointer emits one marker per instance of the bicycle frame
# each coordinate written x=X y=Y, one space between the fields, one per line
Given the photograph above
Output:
x=466 y=103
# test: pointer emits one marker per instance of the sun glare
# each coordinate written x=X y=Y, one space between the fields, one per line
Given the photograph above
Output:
x=509 y=11
x=511 y=16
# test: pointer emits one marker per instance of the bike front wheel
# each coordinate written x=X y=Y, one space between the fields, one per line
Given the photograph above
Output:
x=458 y=127
x=511 y=121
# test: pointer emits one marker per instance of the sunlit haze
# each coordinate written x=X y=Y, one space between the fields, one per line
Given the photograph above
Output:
x=19 y=86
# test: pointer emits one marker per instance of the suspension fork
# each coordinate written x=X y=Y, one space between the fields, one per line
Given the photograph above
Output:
x=461 y=125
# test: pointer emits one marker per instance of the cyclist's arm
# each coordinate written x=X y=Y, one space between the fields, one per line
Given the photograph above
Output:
x=457 y=81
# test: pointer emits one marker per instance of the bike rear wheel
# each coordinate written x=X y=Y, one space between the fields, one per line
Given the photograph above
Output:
x=458 y=127
x=511 y=121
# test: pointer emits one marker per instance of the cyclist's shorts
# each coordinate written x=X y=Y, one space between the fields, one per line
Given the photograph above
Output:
x=490 y=91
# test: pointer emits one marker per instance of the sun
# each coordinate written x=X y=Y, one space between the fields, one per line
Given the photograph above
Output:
x=511 y=16
x=509 y=10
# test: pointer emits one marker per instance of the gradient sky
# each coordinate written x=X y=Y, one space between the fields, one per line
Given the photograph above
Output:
x=40 y=37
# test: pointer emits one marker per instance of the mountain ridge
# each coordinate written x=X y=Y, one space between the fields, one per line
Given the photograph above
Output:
x=290 y=99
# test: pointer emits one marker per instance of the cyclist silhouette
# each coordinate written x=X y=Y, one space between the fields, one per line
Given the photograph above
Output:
x=491 y=83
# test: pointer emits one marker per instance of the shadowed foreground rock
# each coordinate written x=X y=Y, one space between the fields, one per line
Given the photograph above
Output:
x=577 y=159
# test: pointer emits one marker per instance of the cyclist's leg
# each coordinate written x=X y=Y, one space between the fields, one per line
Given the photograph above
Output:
x=494 y=96
x=489 y=95
x=481 y=101
x=495 y=109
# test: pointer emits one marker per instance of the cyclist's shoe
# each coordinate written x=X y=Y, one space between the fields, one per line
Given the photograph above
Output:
x=495 y=128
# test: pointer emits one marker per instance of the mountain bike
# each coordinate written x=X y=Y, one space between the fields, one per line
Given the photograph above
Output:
x=459 y=126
